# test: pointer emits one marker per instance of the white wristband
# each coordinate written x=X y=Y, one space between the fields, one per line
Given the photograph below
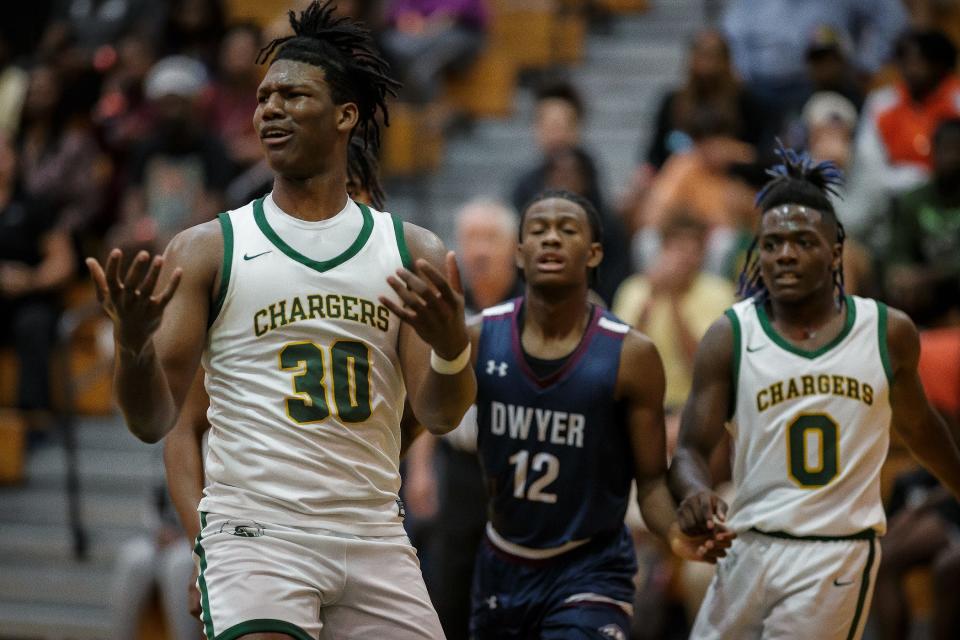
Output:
x=450 y=367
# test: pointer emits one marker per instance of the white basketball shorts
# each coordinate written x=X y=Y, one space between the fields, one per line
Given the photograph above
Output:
x=309 y=584
x=774 y=588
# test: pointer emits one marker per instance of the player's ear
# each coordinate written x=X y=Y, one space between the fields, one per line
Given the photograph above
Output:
x=347 y=116
x=596 y=255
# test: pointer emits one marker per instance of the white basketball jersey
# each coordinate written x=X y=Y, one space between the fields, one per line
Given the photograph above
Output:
x=305 y=386
x=810 y=428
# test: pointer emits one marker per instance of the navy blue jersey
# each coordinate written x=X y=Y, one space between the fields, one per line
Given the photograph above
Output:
x=555 y=452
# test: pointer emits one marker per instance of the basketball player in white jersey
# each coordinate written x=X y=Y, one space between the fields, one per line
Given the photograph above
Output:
x=808 y=381
x=313 y=316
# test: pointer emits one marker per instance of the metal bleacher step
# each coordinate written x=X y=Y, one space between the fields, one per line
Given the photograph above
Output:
x=61 y=583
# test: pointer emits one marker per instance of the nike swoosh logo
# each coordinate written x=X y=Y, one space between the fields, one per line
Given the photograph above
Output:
x=752 y=349
x=837 y=583
x=246 y=257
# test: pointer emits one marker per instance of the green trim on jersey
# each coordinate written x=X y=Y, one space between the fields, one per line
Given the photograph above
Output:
x=882 y=336
x=805 y=353
x=202 y=582
x=864 y=589
x=226 y=226
x=264 y=625
x=317 y=265
x=405 y=256
x=737 y=341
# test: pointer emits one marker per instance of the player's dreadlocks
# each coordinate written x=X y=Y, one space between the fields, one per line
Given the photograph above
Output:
x=364 y=170
x=593 y=218
x=796 y=181
x=355 y=71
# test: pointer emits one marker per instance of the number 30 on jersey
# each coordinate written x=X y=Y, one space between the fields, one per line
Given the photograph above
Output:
x=350 y=384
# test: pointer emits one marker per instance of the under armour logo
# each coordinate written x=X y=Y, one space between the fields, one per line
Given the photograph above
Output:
x=492 y=600
x=498 y=368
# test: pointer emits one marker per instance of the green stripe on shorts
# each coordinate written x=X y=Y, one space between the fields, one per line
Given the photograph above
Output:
x=202 y=582
x=264 y=625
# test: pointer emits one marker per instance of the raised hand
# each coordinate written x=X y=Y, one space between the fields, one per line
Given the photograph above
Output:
x=132 y=304
x=432 y=304
x=701 y=514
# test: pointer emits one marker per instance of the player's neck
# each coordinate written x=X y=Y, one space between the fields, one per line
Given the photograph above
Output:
x=316 y=198
x=554 y=316
x=806 y=319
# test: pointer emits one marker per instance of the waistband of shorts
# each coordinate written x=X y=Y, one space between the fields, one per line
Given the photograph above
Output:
x=866 y=534
x=526 y=554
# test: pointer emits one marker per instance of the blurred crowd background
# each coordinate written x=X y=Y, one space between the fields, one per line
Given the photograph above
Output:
x=123 y=122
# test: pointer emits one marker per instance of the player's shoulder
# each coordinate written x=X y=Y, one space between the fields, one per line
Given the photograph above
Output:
x=902 y=336
x=200 y=244
x=423 y=243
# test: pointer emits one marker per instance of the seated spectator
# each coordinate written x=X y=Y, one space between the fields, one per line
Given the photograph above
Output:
x=558 y=118
x=892 y=153
x=194 y=28
x=232 y=98
x=427 y=38
x=178 y=174
x=829 y=67
x=702 y=183
x=711 y=82
x=675 y=302
x=923 y=276
x=60 y=158
x=768 y=39
x=36 y=261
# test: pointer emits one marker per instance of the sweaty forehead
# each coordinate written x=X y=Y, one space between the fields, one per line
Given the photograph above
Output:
x=787 y=218
x=286 y=73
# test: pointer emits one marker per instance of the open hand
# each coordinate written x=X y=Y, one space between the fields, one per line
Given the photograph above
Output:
x=432 y=304
x=132 y=304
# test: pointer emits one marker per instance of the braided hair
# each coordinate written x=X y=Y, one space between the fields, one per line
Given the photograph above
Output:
x=796 y=180
x=364 y=171
x=354 y=69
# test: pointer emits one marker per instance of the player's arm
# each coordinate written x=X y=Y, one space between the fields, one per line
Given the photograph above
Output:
x=701 y=430
x=159 y=310
x=431 y=307
x=183 y=457
x=922 y=429
x=648 y=443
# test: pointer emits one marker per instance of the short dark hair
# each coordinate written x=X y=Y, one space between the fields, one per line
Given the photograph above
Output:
x=562 y=90
x=934 y=47
x=354 y=69
x=796 y=180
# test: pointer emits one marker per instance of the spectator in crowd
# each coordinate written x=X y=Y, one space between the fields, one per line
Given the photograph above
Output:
x=443 y=474
x=558 y=122
x=178 y=174
x=829 y=67
x=61 y=160
x=122 y=112
x=711 y=82
x=427 y=38
x=769 y=38
x=675 y=302
x=161 y=559
x=703 y=183
x=233 y=96
x=828 y=121
x=36 y=261
x=194 y=28
x=923 y=277
x=892 y=152
x=84 y=26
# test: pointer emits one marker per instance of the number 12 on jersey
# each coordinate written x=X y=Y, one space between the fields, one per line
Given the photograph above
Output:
x=536 y=492
x=350 y=366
